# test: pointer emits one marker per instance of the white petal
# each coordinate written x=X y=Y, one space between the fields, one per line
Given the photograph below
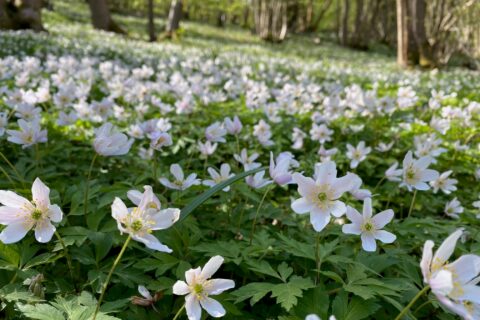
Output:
x=191 y=275
x=211 y=267
x=192 y=306
x=119 y=209
x=180 y=288
x=466 y=267
x=471 y=293
x=135 y=196
x=385 y=236
x=217 y=286
x=177 y=171
x=152 y=242
x=302 y=205
x=165 y=218
x=351 y=229
x=14 y=232
x=305 y=185
x=381 y=219
x=148 y=197
x=55 y=213
x=441 y=282
x=447 y=247
x=338 y=208
x=144 y=292
x=367 y=208
x=429 y=175
x=11 y=199
x=368 y=242
x=325 y=172
x=10 y=215
x=319 y=219
x=40 y=193
x=354 y=216
x=426 y=259
x=44 y=231
x=213 y=307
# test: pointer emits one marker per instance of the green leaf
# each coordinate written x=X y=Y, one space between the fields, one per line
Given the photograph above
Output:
x=254 y=290
x=210 y=192
x=9 y=254
x=263 y=267
x=285 y=271
x=287 y=294
x=41 y=311
x=360 y=309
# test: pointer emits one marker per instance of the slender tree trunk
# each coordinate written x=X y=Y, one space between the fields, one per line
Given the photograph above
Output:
x=346 y=13
x=402 y=33
x=174 y=17
x=418 y=10
x=151 y=22
x=101 y=18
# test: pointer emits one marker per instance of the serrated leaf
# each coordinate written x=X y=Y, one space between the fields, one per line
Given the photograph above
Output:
x=285 y=271
x=287 y=294
x=41 y=311
x=263 y=267
x=254 y=290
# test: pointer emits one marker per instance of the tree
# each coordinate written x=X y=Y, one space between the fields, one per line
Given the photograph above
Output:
x=26 y=14
x=174 y=17
x=402 y=33
x=151 y=23
x=270 y=18
x=101 y=18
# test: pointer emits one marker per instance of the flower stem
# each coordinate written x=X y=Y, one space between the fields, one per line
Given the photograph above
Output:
x=105 y=285
x=411 y=204
x=67 y=256
x=256 y=214
x=379 y=183
x=87 y=188
x=13 y=168
x=179 y=312
x=405 y=310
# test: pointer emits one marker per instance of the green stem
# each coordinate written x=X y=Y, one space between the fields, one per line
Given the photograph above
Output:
x=378 y=184
x=179 y=312
x=8 y=176
x=67 y=256
x=13 y=168
x=87 y=188
x=105 y=285
x=405 y=310
x=256 y=214
x=411 y=204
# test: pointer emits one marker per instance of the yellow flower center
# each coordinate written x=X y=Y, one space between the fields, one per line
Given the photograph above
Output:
x=198 y=289
x=368 y=226
x=36 y=214
x=322 y=197
x=136 y=225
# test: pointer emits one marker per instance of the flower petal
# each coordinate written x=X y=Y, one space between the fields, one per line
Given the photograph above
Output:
x=55 y=213
x=385 y=236
x=351 y=229
x=191 y=275
x=447 y=247
x=14 y=232
x=152 y=242
x=119 y=209
x=338 y=208
x=44 y=231
x=177 y=171
x=217 y=286
x=192 y=306
x=211 y=267
x=381 y=219
x=165 y=218
x=367 y=208
x=11 y=199
x=180 y=288
x=319 y=219
x=368 y=242
x=144 y=292
x=426 y=260
x=302 y=205
x=213 y=307
x=465 y=268
x=40 y=193
x=135 y=196
x=10 y=215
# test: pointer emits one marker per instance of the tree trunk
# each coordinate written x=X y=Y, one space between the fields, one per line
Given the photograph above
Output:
x=344 y=29
x=26 y=14
x=271 y=20
x=151 y=22
x=418 y=10
x=101 y=18
x=174 y=17
x=402 y=33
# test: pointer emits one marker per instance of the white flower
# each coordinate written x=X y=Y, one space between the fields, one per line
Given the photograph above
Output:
x=198 y=287
x=3 y=122
x=263 y=133
x=326 y=154
x=233 y=127
x=180 y=183
x=443 y=183
x=357 y=154
x=29 y=134
x=257 y=181
x=453 y=208
x=382 y=147
x=158 y=140
x=392 y=173
x=315 y=317
x=355 y=191
x=297 y=138
x=139 y=222
x=108 y=142
x=320 y=196
x=320 y=133
x=247 y=161
x=21 y=215
x=279 y=171
x=207 y=148
x=219 y=177
x=65 y=119
x=368 y=226
x=454 y=284
x=215 y=132
x=415 y=172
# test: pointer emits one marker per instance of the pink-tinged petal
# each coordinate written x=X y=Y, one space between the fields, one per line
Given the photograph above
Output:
x=354 y=216
x=135 y=196
x=368 y=242
x=152 y=242
x=442 y=282
x=381 y=219
x=319 y=219
x=446 y=248
x=14 y=232
x=192 y=306
x=165 y=218
x=177 y=171
x=180 y=288
x=466 y=267
x=302 y=205
x=55 y=213
x=471 y=293
x=457 y=308
x=119 y=209
x=44 y=231
x=338 y=209
x=385 y=236
x=10 y=215
x=326 y=172
x=213 y=307
x=191 y=275
x=426 y=260
x=144 y=292
x=367 y=208
x=305 y=185
x=11 y=199
x=211 y=267
x=40 y=193
x=351 y=229
x=217 y=286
